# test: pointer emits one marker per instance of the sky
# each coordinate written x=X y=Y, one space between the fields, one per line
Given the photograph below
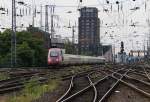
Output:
x=115 y=25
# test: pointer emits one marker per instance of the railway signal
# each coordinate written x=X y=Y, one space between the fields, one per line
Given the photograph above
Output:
x=122 y=47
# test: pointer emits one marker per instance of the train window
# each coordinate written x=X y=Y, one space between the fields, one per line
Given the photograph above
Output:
x=54 y=54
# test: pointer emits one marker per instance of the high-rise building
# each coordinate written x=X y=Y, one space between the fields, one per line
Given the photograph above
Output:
x=89 y=31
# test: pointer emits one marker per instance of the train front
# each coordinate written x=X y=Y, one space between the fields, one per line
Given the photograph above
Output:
x=54 y=57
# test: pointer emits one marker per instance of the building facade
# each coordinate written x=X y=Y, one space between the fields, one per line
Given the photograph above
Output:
x=89 y=31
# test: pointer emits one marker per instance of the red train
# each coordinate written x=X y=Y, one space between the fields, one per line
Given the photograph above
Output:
x=55 y=56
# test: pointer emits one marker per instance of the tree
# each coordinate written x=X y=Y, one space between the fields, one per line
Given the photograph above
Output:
x=25 y=55
x=30 y=49
x=5 y=42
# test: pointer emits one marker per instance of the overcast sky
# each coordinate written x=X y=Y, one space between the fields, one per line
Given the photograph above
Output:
x=115 y=26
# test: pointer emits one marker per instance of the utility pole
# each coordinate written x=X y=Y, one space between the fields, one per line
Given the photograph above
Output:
x=73 y=35
x=47 y=37
x=33 y=13
x=144 y=47
x=41 y=21
x=46 y=19
x=13 y=35
x=147 y=49
x=51 y=36
x=73 y=39
x=52 y=20
x=52 y=23
x=148 y=21
x=114 y=55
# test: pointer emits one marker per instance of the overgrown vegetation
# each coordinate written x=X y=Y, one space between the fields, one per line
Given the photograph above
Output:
x=4 y=76
x=33 y=90
x=108 y=66
x=30 y=49
x=78 y=69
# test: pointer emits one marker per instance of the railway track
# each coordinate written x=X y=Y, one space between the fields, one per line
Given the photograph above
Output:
x=137 y=85
x=15 y=84
x=147 y=72
x=93 y=85
x=137 y=75
x=98 y=89
x=77 y=83
x=104 y=87
x=124 y=93
x=141 y=86
x=19 y=78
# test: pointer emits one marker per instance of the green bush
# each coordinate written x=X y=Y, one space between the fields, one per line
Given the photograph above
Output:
x=4 y=76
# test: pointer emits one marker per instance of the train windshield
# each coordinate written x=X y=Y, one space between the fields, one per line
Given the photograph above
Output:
x=54 y=53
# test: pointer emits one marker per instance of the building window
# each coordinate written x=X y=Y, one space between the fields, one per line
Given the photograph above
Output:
x=87 y=27
x=82 y=46
x=87 y=24
x=87 y=20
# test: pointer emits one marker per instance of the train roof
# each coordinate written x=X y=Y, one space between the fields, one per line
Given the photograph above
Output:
x=81 y=56
x=55 y=49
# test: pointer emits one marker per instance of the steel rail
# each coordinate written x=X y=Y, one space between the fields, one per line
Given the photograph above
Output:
x=95 y=90
x=86 y=88
x=132 y=86
x=141 y=81
x=83 y=90
x=16 y=79
x=135 y=88
x=114 y=86
x=71 y=84
x=19 y=81
x=17 y=86
x=76 y=76
x=67 y=92
x=146 y=73
x=143 y=75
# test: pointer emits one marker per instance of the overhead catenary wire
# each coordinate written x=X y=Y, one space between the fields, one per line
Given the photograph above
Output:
x=26 y=17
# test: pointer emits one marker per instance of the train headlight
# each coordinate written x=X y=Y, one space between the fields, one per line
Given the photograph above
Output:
x=57 y=60
x=49 y=60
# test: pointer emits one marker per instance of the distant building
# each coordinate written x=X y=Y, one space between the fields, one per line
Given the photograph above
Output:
x=107 y=52
x=55 y=42
x=89 y=31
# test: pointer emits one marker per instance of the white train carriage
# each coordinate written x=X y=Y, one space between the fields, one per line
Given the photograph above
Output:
x=56 y=56
x=78 y=59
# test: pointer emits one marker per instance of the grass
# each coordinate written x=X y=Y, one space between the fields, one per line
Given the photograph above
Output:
x=33 y=90
x=4 y=76
x=78 y=69
x=108 y=66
